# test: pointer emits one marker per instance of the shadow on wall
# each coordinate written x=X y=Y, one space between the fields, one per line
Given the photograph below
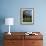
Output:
x=2 y=21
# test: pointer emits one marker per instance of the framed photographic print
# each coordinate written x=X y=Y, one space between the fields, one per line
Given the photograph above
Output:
x=26 y=15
